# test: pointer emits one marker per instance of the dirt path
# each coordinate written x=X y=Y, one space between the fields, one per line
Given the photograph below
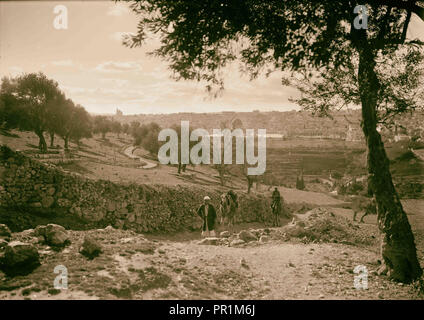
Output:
x=134 y=267
x=129 y=152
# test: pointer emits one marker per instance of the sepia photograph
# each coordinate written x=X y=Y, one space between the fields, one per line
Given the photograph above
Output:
x=238 y=151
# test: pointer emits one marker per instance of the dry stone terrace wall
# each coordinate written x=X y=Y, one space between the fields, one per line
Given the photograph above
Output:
x=29 y=184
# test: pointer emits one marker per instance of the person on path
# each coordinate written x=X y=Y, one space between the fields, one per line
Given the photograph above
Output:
x=208 y=214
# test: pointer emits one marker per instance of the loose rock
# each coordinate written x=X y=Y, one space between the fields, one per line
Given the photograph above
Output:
x=55 y=235
x=224 y=234
x=236 y=242
x=247 y=236
x=19 y=259
x=209 y=241
x=264 y=239
x=90 y=248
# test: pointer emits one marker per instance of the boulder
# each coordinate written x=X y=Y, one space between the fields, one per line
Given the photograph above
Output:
x=209 y=241
x=5 y=232
x=90 y=248
x=19 y=258
x=56 y=236
x=247 y=236
x=53 y=234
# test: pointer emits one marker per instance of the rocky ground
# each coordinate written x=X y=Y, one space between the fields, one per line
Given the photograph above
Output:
x=311 y=257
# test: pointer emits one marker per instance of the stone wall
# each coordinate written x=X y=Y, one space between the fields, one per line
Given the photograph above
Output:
x=29 y=184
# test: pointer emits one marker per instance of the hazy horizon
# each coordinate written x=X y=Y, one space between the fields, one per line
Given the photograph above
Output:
x=95 y=70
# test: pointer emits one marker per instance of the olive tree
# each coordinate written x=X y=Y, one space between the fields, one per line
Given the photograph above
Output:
x=31 y=101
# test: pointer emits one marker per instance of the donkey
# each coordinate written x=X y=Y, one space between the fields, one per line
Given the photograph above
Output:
x=363 y=204
x=228 y=207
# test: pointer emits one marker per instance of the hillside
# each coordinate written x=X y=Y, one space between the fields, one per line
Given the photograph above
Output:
x=143 y=256
x=344 y=124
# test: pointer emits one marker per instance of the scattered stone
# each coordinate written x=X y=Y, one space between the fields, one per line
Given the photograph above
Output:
x=209 y=241
x=28 y=233
x=5 y=232
x=90 y=248
x=56 y=236
x=243 y=263
x=3 y=243
x=225 y=234
x=236 y=242
x=40 y=231
x=19 y=259
x=256 y=233
x=264 y=239
x=146 y=247
x=382 y=271
x=127 y=240
x=46 y=252
x=109 y=228
x=247 y=236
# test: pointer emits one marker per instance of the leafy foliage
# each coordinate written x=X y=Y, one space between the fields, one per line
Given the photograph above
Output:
x=35 y=103
x=146 y=135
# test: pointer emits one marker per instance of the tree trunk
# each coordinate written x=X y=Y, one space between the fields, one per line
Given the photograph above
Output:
x=398 y=246
x=42 y=145
x=51 y=139
x=249 y=184
x=66 y=139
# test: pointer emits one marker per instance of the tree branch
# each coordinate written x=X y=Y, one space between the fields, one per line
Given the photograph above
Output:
x=406 y=5
x=405 y=26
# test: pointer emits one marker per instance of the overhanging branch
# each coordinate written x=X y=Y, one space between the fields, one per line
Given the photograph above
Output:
x=406 y=5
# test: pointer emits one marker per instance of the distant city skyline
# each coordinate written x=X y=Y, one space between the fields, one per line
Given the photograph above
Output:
x=95 y=70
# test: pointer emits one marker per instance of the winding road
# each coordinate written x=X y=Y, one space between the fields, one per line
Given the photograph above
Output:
x=129 y=152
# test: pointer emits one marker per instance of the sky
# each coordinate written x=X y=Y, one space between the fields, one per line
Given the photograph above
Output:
x=94 y=69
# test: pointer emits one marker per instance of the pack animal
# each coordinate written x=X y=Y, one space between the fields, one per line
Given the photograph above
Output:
x=363 y=204
x=228 y=208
